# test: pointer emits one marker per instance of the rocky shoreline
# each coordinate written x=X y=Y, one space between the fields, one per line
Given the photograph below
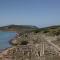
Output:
x=26 y=46
x=3 y=54
x=13 y=41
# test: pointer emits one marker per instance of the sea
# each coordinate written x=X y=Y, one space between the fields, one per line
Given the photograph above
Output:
x=5 y=37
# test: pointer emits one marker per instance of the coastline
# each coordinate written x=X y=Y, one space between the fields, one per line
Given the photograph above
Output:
x=11 y=42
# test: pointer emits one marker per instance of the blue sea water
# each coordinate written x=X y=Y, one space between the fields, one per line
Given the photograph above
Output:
x=5 y=37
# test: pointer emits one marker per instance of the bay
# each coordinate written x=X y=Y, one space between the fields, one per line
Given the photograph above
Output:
x=5 y=37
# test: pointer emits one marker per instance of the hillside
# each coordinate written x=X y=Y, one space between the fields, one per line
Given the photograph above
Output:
x=18 y=28
x=51 y=30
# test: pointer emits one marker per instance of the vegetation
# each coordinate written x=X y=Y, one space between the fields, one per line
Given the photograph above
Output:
x=27 y=38
x=18 y=28
x=52 y=30
x=24 y=43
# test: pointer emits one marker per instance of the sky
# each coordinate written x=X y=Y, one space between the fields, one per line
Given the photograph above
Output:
x=41 y=13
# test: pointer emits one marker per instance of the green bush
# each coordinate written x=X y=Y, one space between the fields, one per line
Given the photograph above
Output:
x=36 y=31
x=24 y=43
x=45 y=31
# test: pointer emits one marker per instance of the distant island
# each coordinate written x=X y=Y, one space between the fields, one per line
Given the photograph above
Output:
x=18 y=28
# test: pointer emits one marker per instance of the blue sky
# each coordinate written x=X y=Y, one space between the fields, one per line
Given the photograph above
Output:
x=41 y=13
